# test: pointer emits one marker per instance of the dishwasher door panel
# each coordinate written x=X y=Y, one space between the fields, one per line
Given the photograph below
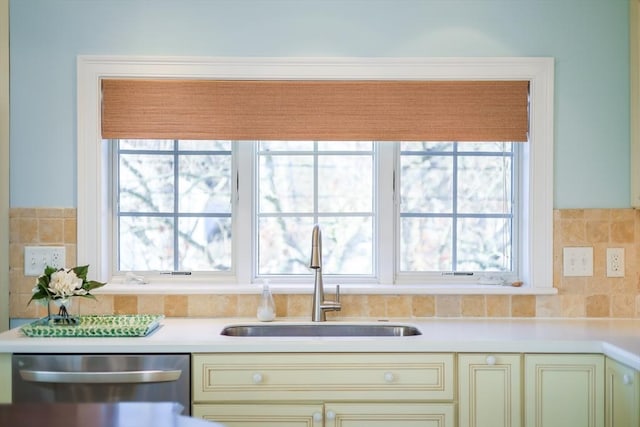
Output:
x=102 y=378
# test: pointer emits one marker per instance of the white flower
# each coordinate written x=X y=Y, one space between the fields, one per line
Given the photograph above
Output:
x=65 y=284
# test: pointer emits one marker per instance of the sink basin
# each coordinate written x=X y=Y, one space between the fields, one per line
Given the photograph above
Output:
x=320 y=330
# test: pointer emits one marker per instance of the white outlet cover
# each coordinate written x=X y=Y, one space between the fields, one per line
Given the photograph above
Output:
x=615 y=262
x=577 y=261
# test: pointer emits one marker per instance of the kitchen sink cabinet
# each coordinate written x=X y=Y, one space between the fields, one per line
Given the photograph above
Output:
x=409 y=390
x=563 y=390
x=330 y=414
x=325 y=389
x=489 y=390
x=622 y=395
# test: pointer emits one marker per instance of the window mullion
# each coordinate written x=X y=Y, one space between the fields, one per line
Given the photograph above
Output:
x=176 y=206
x=385 y=261
x=316 y=159
x=454 y=211
x=244 y=216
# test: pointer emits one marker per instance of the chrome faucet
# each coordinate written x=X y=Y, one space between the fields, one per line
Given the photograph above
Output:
x=320 y=306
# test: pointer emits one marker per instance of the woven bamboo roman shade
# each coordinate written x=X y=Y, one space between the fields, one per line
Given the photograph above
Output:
x=325 y=110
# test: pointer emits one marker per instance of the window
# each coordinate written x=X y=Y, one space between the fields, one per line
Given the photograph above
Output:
x=307 y=182
x=173 y=205
x=457 y=208
x=372 y=218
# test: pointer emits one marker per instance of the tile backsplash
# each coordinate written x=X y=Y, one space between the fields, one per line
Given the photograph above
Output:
x=597 y=296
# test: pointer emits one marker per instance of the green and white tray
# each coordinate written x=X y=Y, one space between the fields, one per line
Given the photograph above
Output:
x=116 y=325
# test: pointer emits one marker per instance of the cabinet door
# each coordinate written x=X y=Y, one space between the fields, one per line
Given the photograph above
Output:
x=622 y=395
x=389 y=415
x=564 y=390
x=489 y=390
x=5 y=377
x=261 y=414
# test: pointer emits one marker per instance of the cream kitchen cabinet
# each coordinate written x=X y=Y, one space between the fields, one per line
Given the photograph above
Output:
x=564 y=390
x=5 y=378
x=622 y=395
x=489 y=390
x=257 y=414
x=328 y=414
x=325 y=389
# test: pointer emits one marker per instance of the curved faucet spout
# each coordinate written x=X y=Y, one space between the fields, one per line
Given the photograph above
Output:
x=320 y=306
x=316 y=248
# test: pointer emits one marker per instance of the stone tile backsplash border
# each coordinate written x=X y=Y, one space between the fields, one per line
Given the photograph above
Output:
x=596 y=296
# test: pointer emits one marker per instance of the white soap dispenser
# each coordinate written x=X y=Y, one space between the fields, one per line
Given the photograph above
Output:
x=266 y=307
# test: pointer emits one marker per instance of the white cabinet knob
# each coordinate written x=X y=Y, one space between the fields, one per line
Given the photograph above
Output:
x=491 y=360
x=257 y=378
x=331 y=415
x=317 y=417
x=626 y=379
x=388 y=377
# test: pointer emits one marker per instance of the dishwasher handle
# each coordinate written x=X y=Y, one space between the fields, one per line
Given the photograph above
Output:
x=122 y=377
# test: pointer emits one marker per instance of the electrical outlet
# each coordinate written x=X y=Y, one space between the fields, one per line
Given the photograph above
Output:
x=577 y=262
x=615 y=262
x=36 y=258
x=58 y=255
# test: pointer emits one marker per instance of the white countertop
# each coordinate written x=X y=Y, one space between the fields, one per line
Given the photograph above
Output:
x=618 y=339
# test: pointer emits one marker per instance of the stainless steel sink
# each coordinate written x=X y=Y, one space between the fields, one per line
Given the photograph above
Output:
x=320 y=330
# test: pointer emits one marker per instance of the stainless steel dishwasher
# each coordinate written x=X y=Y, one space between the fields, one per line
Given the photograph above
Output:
x=78 y=378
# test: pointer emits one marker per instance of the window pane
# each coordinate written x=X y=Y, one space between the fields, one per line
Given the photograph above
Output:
x=285 y=184
x=484 y=184
x=146 y=183
x=345 y=183
x=284 y=245
x=204 y=184
x=347 y=245
x=345 y=146
x=425 y=244
x=200 y=145
x=486 y=147
x=146 y=244
x=429 y=147
x=426 y=184
x=484 y=244
x=146 y=144
x=285 y=145
x=204 y=244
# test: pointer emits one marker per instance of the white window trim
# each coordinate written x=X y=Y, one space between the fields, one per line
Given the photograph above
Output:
x=92 y=175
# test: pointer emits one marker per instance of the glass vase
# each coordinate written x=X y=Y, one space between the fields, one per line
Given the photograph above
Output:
x=64 y=316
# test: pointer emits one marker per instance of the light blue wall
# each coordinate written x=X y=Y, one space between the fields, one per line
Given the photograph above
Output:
x=588 y=39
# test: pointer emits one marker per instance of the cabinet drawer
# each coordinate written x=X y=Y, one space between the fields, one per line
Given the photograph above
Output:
x=304 y=376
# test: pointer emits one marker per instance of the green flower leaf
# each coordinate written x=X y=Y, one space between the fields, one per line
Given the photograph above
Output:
x=48 y=271
x=81 y=271
x=91 y=285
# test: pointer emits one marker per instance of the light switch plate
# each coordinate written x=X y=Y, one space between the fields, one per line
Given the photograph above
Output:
x=577 y=261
